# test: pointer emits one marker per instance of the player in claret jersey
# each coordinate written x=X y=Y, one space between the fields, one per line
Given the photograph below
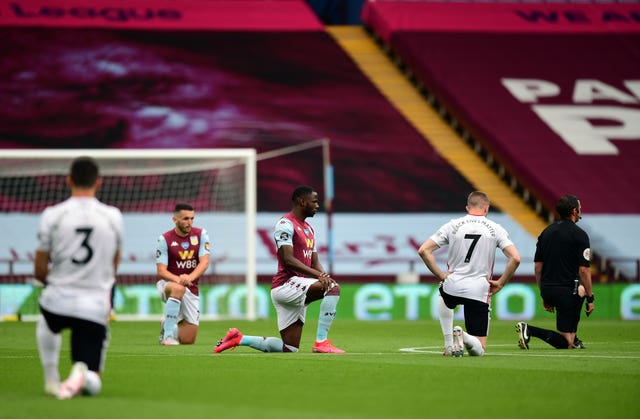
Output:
x=182 y=257
x=300 y=280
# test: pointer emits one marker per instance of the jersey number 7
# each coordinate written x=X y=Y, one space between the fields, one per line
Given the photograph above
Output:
x=474 y=238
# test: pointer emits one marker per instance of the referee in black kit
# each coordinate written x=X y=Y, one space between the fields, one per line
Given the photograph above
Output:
x=563 y=275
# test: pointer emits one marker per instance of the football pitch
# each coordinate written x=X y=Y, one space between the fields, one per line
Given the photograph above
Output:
x=393 y=369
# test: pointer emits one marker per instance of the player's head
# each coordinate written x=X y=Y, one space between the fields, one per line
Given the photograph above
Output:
x=84 y=173
x=183 y=215
x=478 y=203
x=305 y=201
x=182 y=206
x=567 y=206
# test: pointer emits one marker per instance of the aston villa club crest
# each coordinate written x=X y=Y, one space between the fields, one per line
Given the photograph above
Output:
x=194 y=240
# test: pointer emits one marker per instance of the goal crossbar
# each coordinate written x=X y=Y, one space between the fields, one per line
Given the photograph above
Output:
x=25 y=164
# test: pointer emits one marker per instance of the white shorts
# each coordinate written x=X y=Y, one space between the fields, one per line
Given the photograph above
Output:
x=86 y=304
x=467 y=287
x=190 y=306
x=288 y=299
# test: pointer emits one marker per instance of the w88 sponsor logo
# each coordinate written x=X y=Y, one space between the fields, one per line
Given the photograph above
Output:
x=186 y=264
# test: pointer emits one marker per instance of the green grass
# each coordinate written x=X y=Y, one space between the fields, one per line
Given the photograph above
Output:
x=375 y=379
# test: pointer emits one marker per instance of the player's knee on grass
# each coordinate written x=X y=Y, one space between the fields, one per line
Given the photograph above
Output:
x=92 y=384
x=476 y=351
x=187 y=333
x=289 y=348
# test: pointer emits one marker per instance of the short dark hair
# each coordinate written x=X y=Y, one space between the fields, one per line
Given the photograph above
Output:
x=301 y=191
x=84 y=172
x=478 y=199
x=183 y=206
x=566 y=204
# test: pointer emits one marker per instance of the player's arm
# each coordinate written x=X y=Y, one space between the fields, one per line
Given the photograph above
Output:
x=116 y=260
x=537 y=272
x=43 y=250
x=513 y=261
x=426 y=254
x=584 y=270
x=285 y=252
x=162 y=262
x=538 y=258
x=283 y=236
x=315 y=262
x=200 y=269
x=163 y=273
x=585 y=279
x=119 y=228
x=204 y=257
x=324 y=278
x=41 y=265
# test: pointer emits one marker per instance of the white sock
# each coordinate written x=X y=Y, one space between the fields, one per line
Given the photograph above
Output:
x=92 y=383
x=327 y=315
x=263 y=343
x=49 y=350
x=473 y=345
x=291 y=348
x=446 y=322
x=171 y=312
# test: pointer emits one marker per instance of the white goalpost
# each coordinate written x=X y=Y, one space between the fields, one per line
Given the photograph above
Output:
x=145 y=184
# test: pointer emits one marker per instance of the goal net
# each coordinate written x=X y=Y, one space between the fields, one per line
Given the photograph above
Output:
x=145 y=185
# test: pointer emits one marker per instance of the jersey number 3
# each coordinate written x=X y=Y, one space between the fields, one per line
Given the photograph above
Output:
x=88 y=250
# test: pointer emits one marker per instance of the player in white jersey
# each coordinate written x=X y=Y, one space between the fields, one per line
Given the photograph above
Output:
x=472 y=241
x=78 y=252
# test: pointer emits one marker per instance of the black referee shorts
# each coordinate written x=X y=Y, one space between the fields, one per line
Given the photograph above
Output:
x=567 y=304
x=476 y=313
x=88 y=339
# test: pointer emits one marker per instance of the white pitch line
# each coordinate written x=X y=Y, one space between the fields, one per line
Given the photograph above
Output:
x=402 y=351
x=524 y=353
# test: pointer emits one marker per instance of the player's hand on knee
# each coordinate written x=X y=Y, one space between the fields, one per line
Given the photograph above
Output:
x=326 y=281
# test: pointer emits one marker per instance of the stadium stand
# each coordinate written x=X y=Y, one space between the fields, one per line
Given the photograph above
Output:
x=207 y=74
x=187 y=75
x=407 y=99
x=218 y=78
x=547 y=91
